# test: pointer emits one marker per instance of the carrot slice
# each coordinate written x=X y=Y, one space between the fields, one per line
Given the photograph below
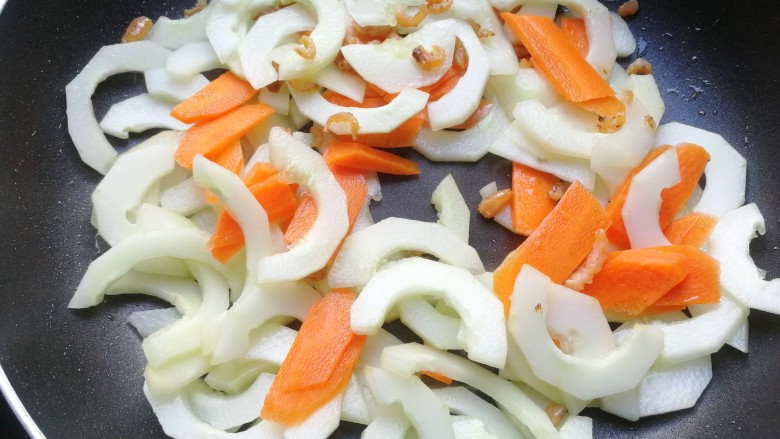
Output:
x=530 y=202
x=701 y=285
x=219 y=96
x=259 y=172
x=320 y=362
x=437 y=376
x=692 y=229
x=232 y=159
x=358 y=156
x=558 y=245
x=632 y=280
x=212 y=137
x=692 y=160
x=574 y=29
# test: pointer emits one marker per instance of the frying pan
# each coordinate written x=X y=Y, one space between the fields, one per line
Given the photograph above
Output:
x=79 y=373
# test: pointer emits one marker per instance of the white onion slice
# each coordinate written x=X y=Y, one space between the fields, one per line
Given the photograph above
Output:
x=390 y=65
x=463 y=146
x=370 y=120
x=267 y=32
x=229 y=22
x=646 y=90
x=620 y=370
x=84 y=130
x=451 y=208
x=343 y=83
x=665 y=389
x=149 y=321
x=466 y=427
x=576 y=427
x=171 y=378
x=729 y=243
x=409 y=358
x=320 y=424
x=643 y=200
x=377 y=12
x=182 y=293
x=298 y=118
x=739 y=340
x=726 y=171
x=435 y=328
x=353 y=406
x=236 y=376
x=176 y=33
x=374 y=346
x=138 y=114
x=228 y=411
x=546 y=127
x=125 y=185
x=189 y=60
x=461 y=401
x=457 y=105
x=625 y=44
x=364 y=251
x=270 y=343
x=526 y=84
x=279 y=101
x=429 y=416
x=364 y=218
x=389 y=423
x=578 y=323
x=184 y=198
x=160 y=84
x=542 y=9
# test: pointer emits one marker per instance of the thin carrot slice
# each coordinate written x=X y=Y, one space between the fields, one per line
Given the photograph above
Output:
x=437 y=376
x=212 y=137
x=558 y=245
x=574 y=29
x=358 y=156
x=608 y=106
x=557 y=58
x=320 y=362
x=651 y=310
x=632 y=280
x=530 y=203
x=302 y=220
x=227 y=238
x=700 y=286
x=693 y=229
x=219 y=96
x=232 y=159
x=258 y=173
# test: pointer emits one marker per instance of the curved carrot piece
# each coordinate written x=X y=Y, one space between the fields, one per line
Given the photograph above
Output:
x=359 y=156
x=701 y=284
x=632 y=280
x=530 y=202
x=259 y=172
x=212 y=137
x=608 y=106
x=232 y=159
x=320 y=363
x=559 y=245
x=219 y=96
x=574 y=29
x=437 y=376
x=692 y=229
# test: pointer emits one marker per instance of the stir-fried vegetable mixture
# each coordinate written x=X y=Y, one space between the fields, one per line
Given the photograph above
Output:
x=250 y=212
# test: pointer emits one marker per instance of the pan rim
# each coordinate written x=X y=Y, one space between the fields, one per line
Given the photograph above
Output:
x=13 y=399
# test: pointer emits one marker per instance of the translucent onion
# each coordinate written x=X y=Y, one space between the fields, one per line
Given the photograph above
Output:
x=189 y=60
x=177 y=33
x=138 y=114
x=160 y=84
x=451 y=208
x=461 y=401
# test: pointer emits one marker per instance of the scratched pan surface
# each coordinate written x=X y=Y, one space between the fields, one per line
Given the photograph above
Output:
x=79 y=374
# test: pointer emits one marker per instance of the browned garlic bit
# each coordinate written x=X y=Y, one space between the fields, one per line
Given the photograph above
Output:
x=481 y=33
x=199 y=5
x=137 y=29
x=558 y=189
x=521 y=52
x=649 y=121
x=404 y=20
x=627 y=97
x=301 y=85
x=429 y=60
x=459 y=56
x=640 y=66
x=345 y=120
x=524 y=63
x=628 y=8
x=342 y=63
x=609 y=125
x=317 y=135
x=480 y=113
x=438 y=6
x=491 y=205
x=556 y=412
x=307 y=49
x=592 y=265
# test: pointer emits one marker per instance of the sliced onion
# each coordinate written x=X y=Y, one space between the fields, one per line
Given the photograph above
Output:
x=176 y=33
x=646 y=90
x=160 y=84
x=228 y=411
x=206 y=219
x=461 y=401
x=451 y=208
x=189 y=60
x=429 y=416
x=173 y=377
x=138 y=114
x=456 y=106
x=320 y=424
x=547 y=128
x=576 y=427
x=503 y=60
x=353 y=406
x=125 y=185
x=739 y=340
x=409 y=358
x=533 y=8
x=625 y=44
x=364 y=251
x=390 y=65
x=343 y=83
x=149 y=321
x=374 y=186
x=229 y=22
x=726 y=171
x=370 y=120
x=84 y=130
x=312 y=252
x=517 y=369
x=730 y=244
x=279 y=101
x=267 y=32
x=298 y=118
x=377 y=12
x=526 y=84
x=620 y=370
x=374 y=346
x=182 y=293
x=270 y=343
x=466 y=427
x=364 y=218
x=643 y=200
x=236 y=376
x=389 y=423
x=578 y=323
x=184 y=198
x=436 y=329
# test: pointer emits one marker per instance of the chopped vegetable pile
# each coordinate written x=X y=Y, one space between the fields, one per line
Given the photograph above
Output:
x=250 y=212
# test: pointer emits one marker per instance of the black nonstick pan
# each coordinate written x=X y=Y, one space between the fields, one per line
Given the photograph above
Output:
x=79 y=374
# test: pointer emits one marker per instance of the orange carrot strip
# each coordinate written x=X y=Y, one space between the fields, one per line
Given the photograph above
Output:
x=227 y=238
x=358 y=156
x=219 y=96
x=692 y=229
x=647 y=312
x=232 y=159
x=320 y=362
x=259 y=172
x=530 y=203
x=574 y=29
x=558 y=245
x=212 y=137
x=437 y=376
x=608 y=106
x=302 y=221
x=632 y=280
x=701 y=284
x=557 y=58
